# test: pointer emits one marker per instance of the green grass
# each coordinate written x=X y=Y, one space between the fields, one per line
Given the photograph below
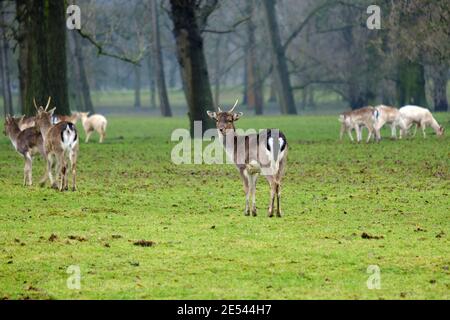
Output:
x=205 y=248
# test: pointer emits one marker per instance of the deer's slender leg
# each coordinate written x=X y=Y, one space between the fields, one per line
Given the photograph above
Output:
x=245 y=183
x=424 y=127
x=349 y=131
x=27 y=180
x=272 y=195
x=62 y=171
x=88 y=135
x=102 y=135
x=73 y=165
x=278 y=190
x=45 y=176
x=393 y=131
x=49 y=170
x=253 y=179
x=369 y=136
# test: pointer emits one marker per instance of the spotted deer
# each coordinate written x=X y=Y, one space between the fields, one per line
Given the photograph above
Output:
x=254 y=154
x=385 y=114
x=27 y=143
x=356 y=120
x=25 y=122
x=60 y=142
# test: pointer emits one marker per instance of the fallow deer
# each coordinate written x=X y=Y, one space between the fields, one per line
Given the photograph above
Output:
x=56 y=118
x=27 y=143
x=385 y=114
x=422 y=117
x=356 y=120
x=253 y=154
x=60 y=141
x=95 y=122
x=25 y=122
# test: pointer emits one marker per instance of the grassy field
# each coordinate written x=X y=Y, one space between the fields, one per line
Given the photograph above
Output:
x=396 y=193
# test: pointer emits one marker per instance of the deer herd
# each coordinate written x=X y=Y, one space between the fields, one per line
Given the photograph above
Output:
x=55 y=138
x=374 y=118
x=264 y=153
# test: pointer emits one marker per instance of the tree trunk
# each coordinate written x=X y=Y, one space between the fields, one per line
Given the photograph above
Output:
x=173 y=72
x=254 y=89
x=192 y=61
x=272 y=89
x=46 y=62
x=151 y=74
x=411 y=86
x=440 y=79
x=4 y=65
x=22 y=39
x=217 y=71
x=159 y=66
x=81 y=73
x=283 y=84
x=137 y=87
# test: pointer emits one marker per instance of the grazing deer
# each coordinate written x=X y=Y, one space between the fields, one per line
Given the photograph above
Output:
x=422 y=117
x=383 y=115
x=356 y=120
x=60 y=141
x=264 y=152
x=27 y=143
x=96 y=122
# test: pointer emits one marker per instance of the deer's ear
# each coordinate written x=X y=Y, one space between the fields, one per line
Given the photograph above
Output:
x=236 y=116
x=212 y=114
x=51 y=111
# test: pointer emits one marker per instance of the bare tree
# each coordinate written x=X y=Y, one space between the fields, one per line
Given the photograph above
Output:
x=253 y=85
x=283 y=83
x=4 y=65
x=158 y=65
x=189 y=17
x=81 y=74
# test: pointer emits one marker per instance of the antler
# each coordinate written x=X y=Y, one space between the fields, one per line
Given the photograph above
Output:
x=35 y=105
x=48 y=103
x=218 y=108
x=235 y=104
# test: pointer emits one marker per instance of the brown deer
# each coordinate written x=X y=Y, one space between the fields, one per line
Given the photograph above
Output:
x=27 y=143
x=60 y=141
x=56 y=118
x=25 y=122
x=357 y=119
x=253 y=154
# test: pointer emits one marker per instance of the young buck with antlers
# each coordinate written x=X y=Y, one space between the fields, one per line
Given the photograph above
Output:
x=60 y=141
x=27 y=143
x=253 y=154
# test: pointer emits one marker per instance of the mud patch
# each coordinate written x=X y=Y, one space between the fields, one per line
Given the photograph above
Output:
x=365 y=235
x=144 y=243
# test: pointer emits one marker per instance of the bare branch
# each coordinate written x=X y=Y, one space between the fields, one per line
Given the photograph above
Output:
x=101 y=51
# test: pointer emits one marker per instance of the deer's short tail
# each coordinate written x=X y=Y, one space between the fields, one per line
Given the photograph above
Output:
x=276 y=145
